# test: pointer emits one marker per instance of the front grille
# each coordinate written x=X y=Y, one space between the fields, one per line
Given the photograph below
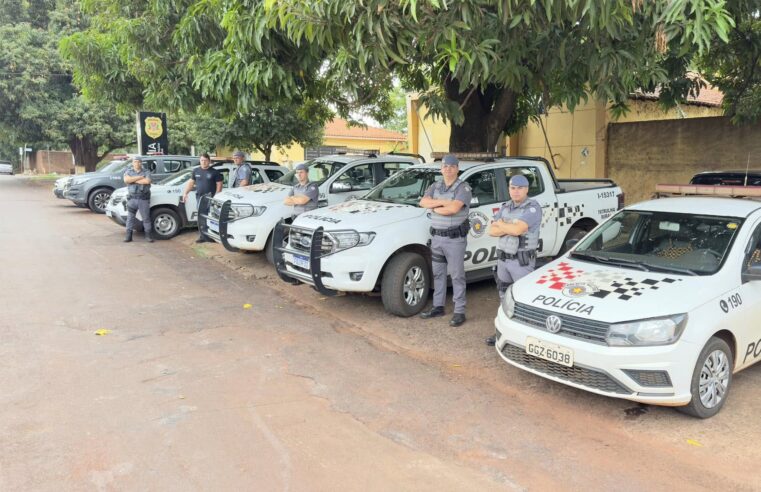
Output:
x=215 y=210
x=654 y=379
x=572 y=326
x=301 y=240
x=580 y=375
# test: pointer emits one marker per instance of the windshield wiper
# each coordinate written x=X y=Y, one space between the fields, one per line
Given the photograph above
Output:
x=662 y=268
x=610 y=261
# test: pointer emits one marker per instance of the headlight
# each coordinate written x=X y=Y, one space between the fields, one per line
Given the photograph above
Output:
x=508 y=303
x=241 y=210
x=349 y=239
x=78 y=181
x=653 y=331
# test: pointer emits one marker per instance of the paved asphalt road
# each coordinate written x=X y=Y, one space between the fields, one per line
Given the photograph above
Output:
x=191 y=391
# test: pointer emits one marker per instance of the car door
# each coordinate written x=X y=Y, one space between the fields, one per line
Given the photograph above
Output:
x=488 y=191
x=351 y=181
x=742 y=308
x=544 y=193
x=385 y=170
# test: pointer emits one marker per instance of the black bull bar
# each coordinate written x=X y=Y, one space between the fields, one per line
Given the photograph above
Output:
x=224 y=218
x=282 y=230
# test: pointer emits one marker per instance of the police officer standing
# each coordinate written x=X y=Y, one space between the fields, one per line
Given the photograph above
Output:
x=138 y=181
x=517 y=226
x=449 y=202
x=304 y=195
x=242 y=173
x=207 y=182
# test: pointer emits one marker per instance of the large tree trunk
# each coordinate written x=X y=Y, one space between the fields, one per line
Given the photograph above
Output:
x=85 y=152
x=486 y=115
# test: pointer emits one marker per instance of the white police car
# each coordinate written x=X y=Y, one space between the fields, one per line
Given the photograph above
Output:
x=659 y=304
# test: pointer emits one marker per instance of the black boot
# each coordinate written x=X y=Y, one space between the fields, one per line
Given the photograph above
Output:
x=434 y=312
x=491 y=341
x=128 y=237
x=457 y=319
x=148 y=236
x=202 y=239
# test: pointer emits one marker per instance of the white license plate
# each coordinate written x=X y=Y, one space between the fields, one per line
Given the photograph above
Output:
x=549 y=351
x=213 y=225
x=108 y=213
x=298 y=260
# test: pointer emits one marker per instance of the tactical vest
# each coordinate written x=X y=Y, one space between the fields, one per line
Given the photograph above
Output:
x=140 y=191
x=441 y=192
x=528 y=241
x=308 y=206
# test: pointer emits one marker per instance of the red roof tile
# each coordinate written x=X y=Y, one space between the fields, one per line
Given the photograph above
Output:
x=339 y=128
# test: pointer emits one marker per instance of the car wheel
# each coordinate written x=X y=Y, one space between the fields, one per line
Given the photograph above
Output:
x=405 y=285
x=711 y=380
x=166 y=223
x=98 y=200
x=268 y=250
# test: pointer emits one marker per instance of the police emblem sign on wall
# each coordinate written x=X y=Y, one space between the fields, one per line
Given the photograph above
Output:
x=152 y=136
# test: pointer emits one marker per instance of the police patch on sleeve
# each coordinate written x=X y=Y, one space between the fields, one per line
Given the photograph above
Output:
x=532 y=210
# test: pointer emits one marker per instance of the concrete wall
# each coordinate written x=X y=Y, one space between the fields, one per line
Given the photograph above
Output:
x=642 y=154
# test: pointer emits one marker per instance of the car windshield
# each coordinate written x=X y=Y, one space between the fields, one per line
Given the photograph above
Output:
x=113 y=167
x=176 y=178
x=688 y=244
x=406 y=187
x=319 y=171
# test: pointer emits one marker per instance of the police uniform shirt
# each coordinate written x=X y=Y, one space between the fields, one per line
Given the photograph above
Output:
x=206 y=180
x=134 y=188
x=310 y=190
x=243 y=173
x=460 y=191
x=529 y=212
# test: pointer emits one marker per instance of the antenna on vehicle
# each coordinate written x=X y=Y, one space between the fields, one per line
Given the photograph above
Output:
x=747 y=166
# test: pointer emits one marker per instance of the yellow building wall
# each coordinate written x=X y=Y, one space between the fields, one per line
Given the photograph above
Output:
x=575 y=143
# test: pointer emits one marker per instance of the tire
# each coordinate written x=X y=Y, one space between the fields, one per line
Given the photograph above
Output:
x=714 y=368
x=574 y=233
x=403 y=270
x=166 y=223
x=268 y=250
x=98 y=200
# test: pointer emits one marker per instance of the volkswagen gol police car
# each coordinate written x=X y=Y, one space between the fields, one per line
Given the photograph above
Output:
x=660 y=304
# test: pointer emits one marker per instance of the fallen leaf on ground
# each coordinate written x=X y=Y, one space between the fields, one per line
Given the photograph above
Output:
x=694 y=443
x=247 y=306
x=102 y=332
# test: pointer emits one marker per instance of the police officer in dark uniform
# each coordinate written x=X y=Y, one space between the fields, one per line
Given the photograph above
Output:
x=449 y=201
x=304 y=195
x=138 y=181
x=517 y=226
x=242 y=173
x=207 y=182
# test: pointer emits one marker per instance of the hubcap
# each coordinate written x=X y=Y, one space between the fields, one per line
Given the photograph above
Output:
x=414 y=285
x=100 y=200
x=164 y=224
x=714 y=378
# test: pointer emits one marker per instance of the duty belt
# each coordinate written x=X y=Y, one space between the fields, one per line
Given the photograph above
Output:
x=508 y=256
x=453 y=232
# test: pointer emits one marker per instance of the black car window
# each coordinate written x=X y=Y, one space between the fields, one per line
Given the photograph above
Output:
x=273 y=174
x=256 y=177
x=150 y=165
x=172 y=166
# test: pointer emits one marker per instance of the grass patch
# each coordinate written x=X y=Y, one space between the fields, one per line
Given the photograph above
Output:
x=200 y=251
x=45 y=177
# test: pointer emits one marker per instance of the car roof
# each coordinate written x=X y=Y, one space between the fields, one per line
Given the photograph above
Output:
x=704 y=205
x=465 y=165
x=347 y=158
x=730 y=171
x=225 y=160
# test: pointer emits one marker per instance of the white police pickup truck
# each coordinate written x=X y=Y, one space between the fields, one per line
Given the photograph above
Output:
x=244 y=218
x=169 y=215
x=381 y=242
x=660 y=304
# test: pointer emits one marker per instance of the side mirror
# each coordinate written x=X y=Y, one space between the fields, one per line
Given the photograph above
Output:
x=571 y=243
x=340 y=187
x=752 y=273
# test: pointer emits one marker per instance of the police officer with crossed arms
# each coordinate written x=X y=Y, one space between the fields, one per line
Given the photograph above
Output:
x=304 y=195
x=516 y=224
x=138 y=181
x=449 y=202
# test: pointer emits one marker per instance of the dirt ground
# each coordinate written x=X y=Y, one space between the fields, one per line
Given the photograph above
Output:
x=192 y=389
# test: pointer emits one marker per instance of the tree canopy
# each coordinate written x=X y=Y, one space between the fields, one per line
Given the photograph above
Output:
x=41 y=106
x=151 y=54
